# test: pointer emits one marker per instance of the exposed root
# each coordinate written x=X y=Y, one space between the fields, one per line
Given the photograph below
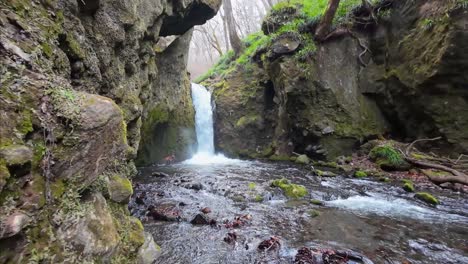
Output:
x=452 y=167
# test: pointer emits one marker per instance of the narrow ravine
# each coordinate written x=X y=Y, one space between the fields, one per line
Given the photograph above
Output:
x=376 y=220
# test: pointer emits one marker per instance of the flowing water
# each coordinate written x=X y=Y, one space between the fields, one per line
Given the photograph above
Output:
x=378 y=220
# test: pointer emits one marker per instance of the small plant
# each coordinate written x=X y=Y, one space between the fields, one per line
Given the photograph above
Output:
x=427 y=23
x=360 y=174
x=387 y=153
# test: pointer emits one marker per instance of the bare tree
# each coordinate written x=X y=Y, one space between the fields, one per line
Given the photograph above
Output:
x=234 y=39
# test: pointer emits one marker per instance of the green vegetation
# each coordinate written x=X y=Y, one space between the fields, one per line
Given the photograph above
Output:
x=387 y=157
x=252 y=185
x=314 y=213
x=427 y=198
x=360 y=174
x=290 y=190
x=408 y=185
x=316 y=202
x=292 y=15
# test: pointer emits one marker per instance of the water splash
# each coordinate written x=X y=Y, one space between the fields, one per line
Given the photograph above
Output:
x=392 y=207
x=204 y=127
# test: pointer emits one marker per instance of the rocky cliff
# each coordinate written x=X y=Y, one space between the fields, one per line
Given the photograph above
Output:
x=394 y=72
x=87 y=87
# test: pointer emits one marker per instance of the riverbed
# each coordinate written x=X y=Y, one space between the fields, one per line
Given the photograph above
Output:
x=374 y=219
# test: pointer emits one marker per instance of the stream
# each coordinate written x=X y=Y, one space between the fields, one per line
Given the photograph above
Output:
x=365 y=217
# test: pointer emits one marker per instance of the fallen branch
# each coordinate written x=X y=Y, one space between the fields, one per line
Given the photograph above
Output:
x=457 y=175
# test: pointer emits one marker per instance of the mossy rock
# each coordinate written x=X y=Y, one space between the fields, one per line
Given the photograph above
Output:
x=321 y=173
x=291 y=190
x=360 y=174
x=302 y=159
x=120 y=188
x=427 y=198
x=314 y=213
x=388 y=158
x=408 y=185
x=279 y=158
x=316 y=202
x=259 y=198
x=4 y=174
x=16 y=155
x=136 y=235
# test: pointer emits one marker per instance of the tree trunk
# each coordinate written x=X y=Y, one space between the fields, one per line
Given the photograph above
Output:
x=325 y=23
x=234 y=39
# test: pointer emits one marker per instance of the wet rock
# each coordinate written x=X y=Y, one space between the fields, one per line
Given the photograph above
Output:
x=13 y=224
x=270 y=244
x=305 y=256
x=322 y=173
x=149 y=251
x=230 y=238
x=316 y=202
x=290 y=190
x=120 y=189
x=200 y=219
x=302 y=159
x=95 y=233
x=427 y=198
x=17 y=158
x=159 y=174
x=140 y=199
x=194 y=186
x=408 y=185
x=206 y=210
x=164 y=212
x=314 y=213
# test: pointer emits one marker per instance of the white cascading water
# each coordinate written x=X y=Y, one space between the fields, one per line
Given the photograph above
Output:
x=204 y=128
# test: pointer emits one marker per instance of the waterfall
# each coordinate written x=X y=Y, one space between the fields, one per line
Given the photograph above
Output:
x=203 y=119
x=204 y=128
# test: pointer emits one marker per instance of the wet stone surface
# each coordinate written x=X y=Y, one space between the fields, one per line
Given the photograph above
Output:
x=365 y=220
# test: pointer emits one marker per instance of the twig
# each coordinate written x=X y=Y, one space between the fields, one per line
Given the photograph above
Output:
x=408 y=149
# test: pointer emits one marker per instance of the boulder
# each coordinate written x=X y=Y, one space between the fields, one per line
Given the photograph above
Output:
x=13 y=224
x=149 y=251
x=16 y=155
x=200 y=219
x=120 y=188
x=164 y=212
x=302 y=159
x=95 y=232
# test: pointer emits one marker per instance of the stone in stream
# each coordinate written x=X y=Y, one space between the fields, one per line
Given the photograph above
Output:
x=159 y=174
x=164 y=212
x=194 y=186
x=200 y=219
x=206 y=210
x=230 y=238
x=269 y=244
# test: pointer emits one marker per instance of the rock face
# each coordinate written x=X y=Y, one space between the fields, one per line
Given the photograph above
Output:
x=323 y=100
x=87 y=88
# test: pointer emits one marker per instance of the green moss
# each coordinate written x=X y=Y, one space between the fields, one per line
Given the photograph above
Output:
x=25 y=125
x=290 y=190
x=408 y=185
x=247 y=120
x=74 y=47
x=47 y=50
x=136 y=235
x=427 y=198
x=384 y=179
x=57 y=188
x=252 y=185
x=360 y=174
x=314 y=213
x=279 y=158
x=4 y=173
x=302 y=159
x=120 y=188
x=258 y=198
x=386 y=156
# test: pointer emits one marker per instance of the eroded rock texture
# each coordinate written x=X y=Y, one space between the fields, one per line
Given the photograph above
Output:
x=411 y=84
x=86 y=86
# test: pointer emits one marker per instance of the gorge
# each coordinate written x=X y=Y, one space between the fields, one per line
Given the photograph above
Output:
x=350 y=148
